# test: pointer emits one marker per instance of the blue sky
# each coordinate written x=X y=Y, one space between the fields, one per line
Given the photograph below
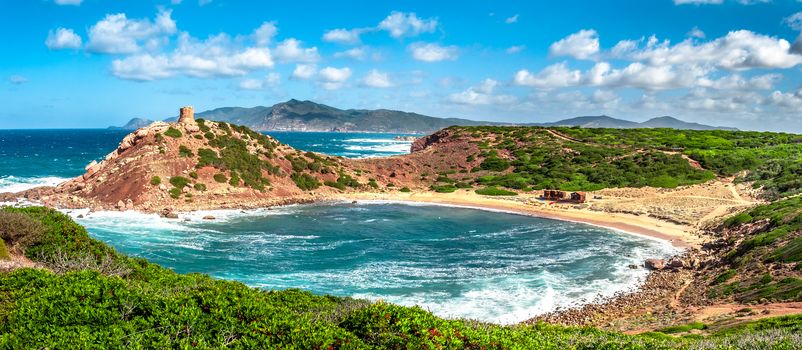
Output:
x=93 y=63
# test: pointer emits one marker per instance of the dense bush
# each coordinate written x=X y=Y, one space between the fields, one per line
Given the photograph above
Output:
x=179 y=182
x=172 y=132
x=184 y=151
x=155 y=181
x=18 y=230
x=220 y=177
x=493 y=191
x=305 y=181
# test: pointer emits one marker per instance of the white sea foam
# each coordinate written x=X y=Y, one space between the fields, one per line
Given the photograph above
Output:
x=377 y=141
x=13 y=183
x=381 y=148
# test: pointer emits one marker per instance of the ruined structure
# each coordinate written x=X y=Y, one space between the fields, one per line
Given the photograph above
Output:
x=562 y=196
x=186 y=115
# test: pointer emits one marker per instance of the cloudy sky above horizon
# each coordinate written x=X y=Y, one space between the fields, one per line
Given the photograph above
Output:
x=93 y=63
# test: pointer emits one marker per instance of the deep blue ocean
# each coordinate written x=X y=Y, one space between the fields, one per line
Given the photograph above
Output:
x=456 y=262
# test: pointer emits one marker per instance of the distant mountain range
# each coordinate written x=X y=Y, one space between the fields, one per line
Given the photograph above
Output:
x=295 y=115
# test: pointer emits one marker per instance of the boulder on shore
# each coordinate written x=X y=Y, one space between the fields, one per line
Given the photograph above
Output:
x=655 y=264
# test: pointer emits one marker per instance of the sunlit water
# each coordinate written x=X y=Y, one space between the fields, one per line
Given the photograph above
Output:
x=456 y=262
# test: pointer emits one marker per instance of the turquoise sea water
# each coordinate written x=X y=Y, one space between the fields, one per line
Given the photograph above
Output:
x=456 y=262
x=30 y=158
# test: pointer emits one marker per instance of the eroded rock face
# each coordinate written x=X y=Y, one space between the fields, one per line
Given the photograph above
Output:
x=655 y=264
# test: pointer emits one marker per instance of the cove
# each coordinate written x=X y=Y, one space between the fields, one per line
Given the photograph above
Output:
x=455 y=262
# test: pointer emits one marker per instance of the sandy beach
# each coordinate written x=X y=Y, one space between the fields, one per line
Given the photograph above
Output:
x=680 y=236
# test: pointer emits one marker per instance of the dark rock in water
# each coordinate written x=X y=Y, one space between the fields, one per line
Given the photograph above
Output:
x=633 y=266
x=354 y=202
x=168 y=213
x=209 y=217
x=655 y=264
x=80 y=216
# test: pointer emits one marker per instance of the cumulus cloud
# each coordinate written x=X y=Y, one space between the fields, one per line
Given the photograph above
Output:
x=400 y=24
x=344 y=36
x=117 y=34
x=556 y=75
x=271 y=80
x=377 y=79
x=431 y=52
x=696 y=33
x=738 y=50
x=357 y=53
x=291 y=50
x=214 y=57
x=794 y=21
x=511 y=19
x=331 y=78
x=63 y=38
x=265 y=33
x=303 y=71
x=581 y=45
x=482 y=94
x=17 y=79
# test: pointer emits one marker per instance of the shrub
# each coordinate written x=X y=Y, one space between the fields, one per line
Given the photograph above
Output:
x=724 y=277
x=305 y=182
x=172 y=132
x=193 y=175
x=234 y=180
x=179 y=182
x=18 y=230
x=220 y=177
x=155 y=181
x=443 y=189
x=372 y=183
x=337 y=185
x=200 y=187
x=175 y=192
x=405 y=189
x=493 y=191
x=4 y=251
x=184 y=151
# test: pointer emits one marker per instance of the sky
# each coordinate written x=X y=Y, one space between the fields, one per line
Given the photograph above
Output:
x=94 y=63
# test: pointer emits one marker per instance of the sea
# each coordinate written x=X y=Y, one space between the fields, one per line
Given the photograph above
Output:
x=456 y=262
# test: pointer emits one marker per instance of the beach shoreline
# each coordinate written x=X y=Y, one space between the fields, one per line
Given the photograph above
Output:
x=679 y=236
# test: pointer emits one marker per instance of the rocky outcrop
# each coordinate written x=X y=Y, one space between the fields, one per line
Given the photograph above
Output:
x=655 y=264
x=427 y=141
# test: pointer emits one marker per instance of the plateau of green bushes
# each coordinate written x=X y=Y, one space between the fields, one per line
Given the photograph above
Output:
x=95 y=297
x=172 y=132
x=493 y=191
x=305 y=181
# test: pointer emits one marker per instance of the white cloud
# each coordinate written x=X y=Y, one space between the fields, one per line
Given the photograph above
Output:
x=290 y=50
x=512 y=19
x=482 y=94
x=794 y=21
x=251 y=84
x=17 y=79
x=265 y=33
x=68 y=2
x=117 y=34
x=357 y=53
x=556 y=75
x=515 y=49
x=432 y=52
x=303 y=71
x=696 y=33
x=331 y=78
x=271 y=80
x=376 y=79
x=214 y=57
x=344 y=36
x=738 y=50
x=581 y=45
x=400 y=24
x=63 y=38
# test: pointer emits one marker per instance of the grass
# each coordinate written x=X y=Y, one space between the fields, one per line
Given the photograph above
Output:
x=172 y=132
x=155 y=181
x=683 y=328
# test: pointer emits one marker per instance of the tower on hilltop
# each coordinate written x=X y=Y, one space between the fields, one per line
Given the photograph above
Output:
x=186 y=115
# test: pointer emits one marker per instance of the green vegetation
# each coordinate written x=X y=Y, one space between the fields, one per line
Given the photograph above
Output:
x=220 y=177
x=172 y=132
x=193 y=174
x=232 y=154
x=175 y=193
x=179 y=182
x=405 y=189
x=493 y=191
x=4 y=255
x=724 y=277
x=99 y=298
x=305 y=182
x=155 y=181
x=200 y=187
x=683 y=328
x=184 y=151
x=443 y=189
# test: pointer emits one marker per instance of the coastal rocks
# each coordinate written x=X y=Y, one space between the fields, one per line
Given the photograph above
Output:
x=168 y=213
x=655 y=264
x=209 y=217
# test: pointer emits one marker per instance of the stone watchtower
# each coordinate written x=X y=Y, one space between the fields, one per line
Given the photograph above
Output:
x=186 y=115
